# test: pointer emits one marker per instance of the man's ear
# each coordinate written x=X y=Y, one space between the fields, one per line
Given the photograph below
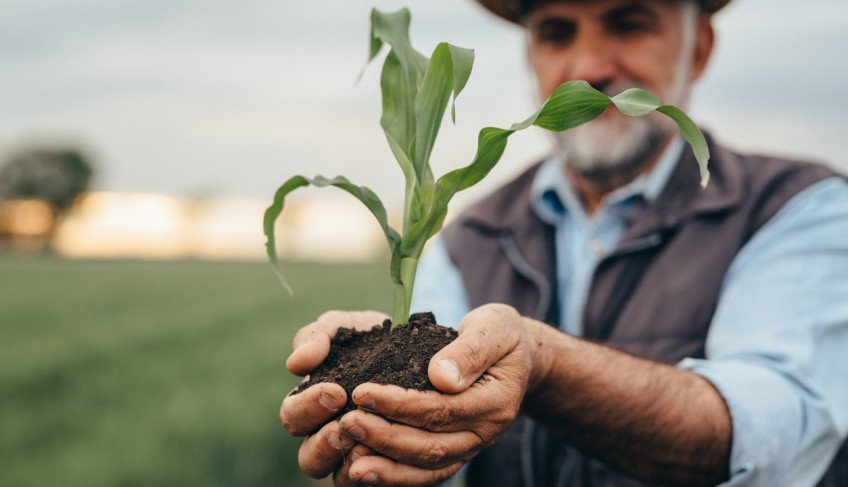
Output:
x=704 y=42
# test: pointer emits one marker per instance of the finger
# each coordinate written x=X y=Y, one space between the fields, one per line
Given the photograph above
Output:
x=382 y=471
x=320 y=454
x=311 y=344
x=341 y=477
x=305 y=412
x=406 y=444
x=487 y=401
x=486 y=335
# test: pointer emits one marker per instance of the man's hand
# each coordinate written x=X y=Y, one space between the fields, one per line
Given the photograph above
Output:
x=424 y=437
x=311 y=412
x=499 y=361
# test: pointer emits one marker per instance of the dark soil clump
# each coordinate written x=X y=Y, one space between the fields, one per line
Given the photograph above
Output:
x=382 y=356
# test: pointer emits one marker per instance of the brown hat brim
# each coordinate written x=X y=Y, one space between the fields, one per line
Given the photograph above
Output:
x=512 y=9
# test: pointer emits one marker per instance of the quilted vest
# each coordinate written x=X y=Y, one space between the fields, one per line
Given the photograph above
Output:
x=654 y=296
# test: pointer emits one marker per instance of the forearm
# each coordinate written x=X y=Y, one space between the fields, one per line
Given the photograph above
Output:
x=651 y=420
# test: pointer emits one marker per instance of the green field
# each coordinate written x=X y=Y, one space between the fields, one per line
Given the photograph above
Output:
x=156 y=373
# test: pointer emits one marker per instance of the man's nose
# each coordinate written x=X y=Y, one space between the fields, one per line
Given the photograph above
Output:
x=593 y=61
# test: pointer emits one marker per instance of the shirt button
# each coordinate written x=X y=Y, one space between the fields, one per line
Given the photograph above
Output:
x=596 y=248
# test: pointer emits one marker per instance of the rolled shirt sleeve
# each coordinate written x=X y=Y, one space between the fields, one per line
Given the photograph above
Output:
x=777 y=349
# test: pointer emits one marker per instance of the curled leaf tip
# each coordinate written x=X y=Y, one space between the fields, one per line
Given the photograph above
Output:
x=283 y=281
x=275 y=265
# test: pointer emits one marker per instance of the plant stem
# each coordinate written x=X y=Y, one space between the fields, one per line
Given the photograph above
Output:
x=399 y=313
x=403 y=291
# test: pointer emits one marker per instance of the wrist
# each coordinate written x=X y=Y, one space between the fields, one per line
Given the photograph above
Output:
x=540 y=351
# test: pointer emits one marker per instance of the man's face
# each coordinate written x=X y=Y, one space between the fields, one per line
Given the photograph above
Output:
x=614 y=45
x=605 y=42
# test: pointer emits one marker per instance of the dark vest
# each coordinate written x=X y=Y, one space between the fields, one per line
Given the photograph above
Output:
x=654 y=296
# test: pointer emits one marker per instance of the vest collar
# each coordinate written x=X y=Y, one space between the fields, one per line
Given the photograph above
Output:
x=553 y=194
x=682 y=199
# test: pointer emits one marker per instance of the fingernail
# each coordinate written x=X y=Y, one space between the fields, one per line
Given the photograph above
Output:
x=301 y=344
x=370 y=478
x=356 y=432
x=354 y=457
x=328 y=401
x=365 y=401
x=334 y=440
x=450 y=369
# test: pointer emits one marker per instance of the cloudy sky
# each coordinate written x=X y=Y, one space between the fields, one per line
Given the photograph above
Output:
x=229 y=98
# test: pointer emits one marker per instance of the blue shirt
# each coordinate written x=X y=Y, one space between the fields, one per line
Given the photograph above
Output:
x=777 y=349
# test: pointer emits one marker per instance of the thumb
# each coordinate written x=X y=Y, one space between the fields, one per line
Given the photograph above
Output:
x=486 y=335
x=311 y=344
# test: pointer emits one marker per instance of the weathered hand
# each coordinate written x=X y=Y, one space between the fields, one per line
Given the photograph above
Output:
x=424 y=437
x=311 y=412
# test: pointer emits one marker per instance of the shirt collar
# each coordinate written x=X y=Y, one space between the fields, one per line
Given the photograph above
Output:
x=552 y=195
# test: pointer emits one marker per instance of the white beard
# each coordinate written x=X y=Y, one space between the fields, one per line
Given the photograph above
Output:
x=611 y=150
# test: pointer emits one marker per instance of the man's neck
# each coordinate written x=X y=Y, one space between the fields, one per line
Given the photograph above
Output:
x=592 y=195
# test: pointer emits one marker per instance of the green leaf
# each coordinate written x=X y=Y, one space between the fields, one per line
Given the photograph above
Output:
x=491 y=143
x=415 y=95
x=411 y=205
x=430 y=103
x=462 y=60
x=693 y=136
x=374 y=46
x=637 y=102
x=393 y=28
x=402 y=72
x=446 y=76
x=363 y=194
x=573 y=103
x=398 y=118
x=570 y=105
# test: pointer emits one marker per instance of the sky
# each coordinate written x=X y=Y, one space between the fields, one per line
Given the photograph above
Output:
x=213 y=97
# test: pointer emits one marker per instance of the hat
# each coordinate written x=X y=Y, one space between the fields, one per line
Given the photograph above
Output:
x=511 y=9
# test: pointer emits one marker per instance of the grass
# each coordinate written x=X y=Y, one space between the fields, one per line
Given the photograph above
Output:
x=156 y=373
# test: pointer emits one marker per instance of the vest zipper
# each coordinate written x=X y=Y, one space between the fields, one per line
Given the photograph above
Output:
x=638 y=245
x=527 y=441
x=523 y=267
x=519 y=262
x=622 y=289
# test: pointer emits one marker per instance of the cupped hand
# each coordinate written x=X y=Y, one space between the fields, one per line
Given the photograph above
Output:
x=424 y=437
x=311 y=413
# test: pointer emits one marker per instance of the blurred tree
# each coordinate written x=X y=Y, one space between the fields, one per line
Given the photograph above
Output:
x=55 y=176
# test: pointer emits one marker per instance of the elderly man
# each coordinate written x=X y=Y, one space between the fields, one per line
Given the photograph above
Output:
x=699 y=336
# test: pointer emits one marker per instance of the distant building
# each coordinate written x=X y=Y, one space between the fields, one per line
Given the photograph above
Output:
x=25 y=224
x=138 y=225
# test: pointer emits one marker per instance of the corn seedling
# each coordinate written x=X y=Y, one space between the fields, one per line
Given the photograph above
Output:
x=416 y=91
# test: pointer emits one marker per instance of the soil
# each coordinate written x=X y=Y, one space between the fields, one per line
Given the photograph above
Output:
x=383 y=356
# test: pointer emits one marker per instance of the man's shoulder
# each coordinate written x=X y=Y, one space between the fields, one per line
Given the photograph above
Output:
x=774 y=178
x=765 y=168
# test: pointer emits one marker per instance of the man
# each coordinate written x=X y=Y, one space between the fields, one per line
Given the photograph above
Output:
x=722 y=314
